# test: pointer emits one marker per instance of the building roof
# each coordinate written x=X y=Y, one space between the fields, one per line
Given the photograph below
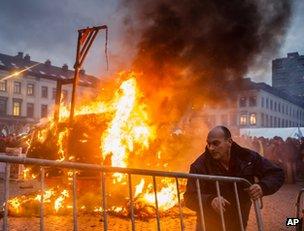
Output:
x=291 y=55
x=43 y=70
x=247 y=84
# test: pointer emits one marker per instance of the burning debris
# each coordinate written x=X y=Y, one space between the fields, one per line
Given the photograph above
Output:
x=114 y=133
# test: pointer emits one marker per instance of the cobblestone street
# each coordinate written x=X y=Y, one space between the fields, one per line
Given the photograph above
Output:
x=276 y=208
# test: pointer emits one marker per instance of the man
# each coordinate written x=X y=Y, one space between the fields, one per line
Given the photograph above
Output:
x=226 y=158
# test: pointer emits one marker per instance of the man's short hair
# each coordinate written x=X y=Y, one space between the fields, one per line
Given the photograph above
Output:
x=227 y=133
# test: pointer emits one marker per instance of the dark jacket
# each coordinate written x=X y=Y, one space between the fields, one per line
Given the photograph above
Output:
x=244 y=163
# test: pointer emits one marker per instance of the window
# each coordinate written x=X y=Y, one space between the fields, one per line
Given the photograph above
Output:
x=279 y=107
x=270 y=121
x=286 y=108
x=267 y=103
x=243 y=102
x=64 y=95
x=243 y=119
x=54 y=93
x=279 y=122
x=283 y=123
x=30 y=110
x=262 y=103
x=16 y=108
x=30 y=89
x=283 y=110
x=297 y=113
x=17 y=87
x=286 y=111
x=267 y=122
x=271 y=105
x=253 y=119
x=3 y=105
x=262 y=119
x=44 y=110
x=275 y=106
x=44 y=92
x=3 y=85
x=252 y=101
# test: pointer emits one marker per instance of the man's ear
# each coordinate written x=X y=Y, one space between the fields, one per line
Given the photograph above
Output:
x=230 y=140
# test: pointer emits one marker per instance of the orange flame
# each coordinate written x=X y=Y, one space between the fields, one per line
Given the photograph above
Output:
x=128 y=127
x=166 y=197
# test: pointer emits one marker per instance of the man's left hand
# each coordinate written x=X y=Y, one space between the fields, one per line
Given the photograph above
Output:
x=255 y=191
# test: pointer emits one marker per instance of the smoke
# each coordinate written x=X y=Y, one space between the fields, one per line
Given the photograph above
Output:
x=196 y=45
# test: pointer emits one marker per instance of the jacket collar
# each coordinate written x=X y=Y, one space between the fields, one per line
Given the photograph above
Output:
x=237 y=154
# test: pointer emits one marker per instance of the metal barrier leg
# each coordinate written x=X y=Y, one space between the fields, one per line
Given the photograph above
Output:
x=179 y=205
x=299 y=203
x=6 y=195
x=258 y=215
x=238 y=206
x=221 y=207
x=131 y=202
x=104 y=202
x=156 y=203
x=42 y=174
x=75 y=201
x=301 y=208
x=198 y=189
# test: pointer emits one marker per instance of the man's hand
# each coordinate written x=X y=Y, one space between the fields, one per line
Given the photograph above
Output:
x=255 y=191
x=215 y=204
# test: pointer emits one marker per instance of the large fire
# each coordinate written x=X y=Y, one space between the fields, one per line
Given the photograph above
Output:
x=127 y=135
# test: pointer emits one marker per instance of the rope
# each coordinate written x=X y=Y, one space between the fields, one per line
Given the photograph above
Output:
x=106 y=49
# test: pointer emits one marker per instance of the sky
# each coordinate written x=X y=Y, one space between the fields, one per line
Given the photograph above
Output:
x=48 y=30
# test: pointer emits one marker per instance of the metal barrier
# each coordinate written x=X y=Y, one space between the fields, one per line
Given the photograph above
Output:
x=82 y=166
x=300 y=206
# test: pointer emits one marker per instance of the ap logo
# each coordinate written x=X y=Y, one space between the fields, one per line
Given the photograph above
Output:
x=292 y=221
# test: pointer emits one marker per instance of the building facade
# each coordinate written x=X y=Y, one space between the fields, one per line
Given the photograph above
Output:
x=256 y=105
x=30 y=95
x=288 y=74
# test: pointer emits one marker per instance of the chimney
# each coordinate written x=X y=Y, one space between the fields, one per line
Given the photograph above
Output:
x=65 y=67
x=293 y=55
x=27 y=58
x=82 y=72
x=47 y=63
x=20 y=55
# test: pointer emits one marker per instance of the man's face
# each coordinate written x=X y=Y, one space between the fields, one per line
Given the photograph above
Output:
x=217 y=145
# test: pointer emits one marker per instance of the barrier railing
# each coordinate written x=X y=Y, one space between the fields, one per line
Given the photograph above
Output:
x=129 y=171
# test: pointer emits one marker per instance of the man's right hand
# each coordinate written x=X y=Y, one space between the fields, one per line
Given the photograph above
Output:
x=217 y=201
